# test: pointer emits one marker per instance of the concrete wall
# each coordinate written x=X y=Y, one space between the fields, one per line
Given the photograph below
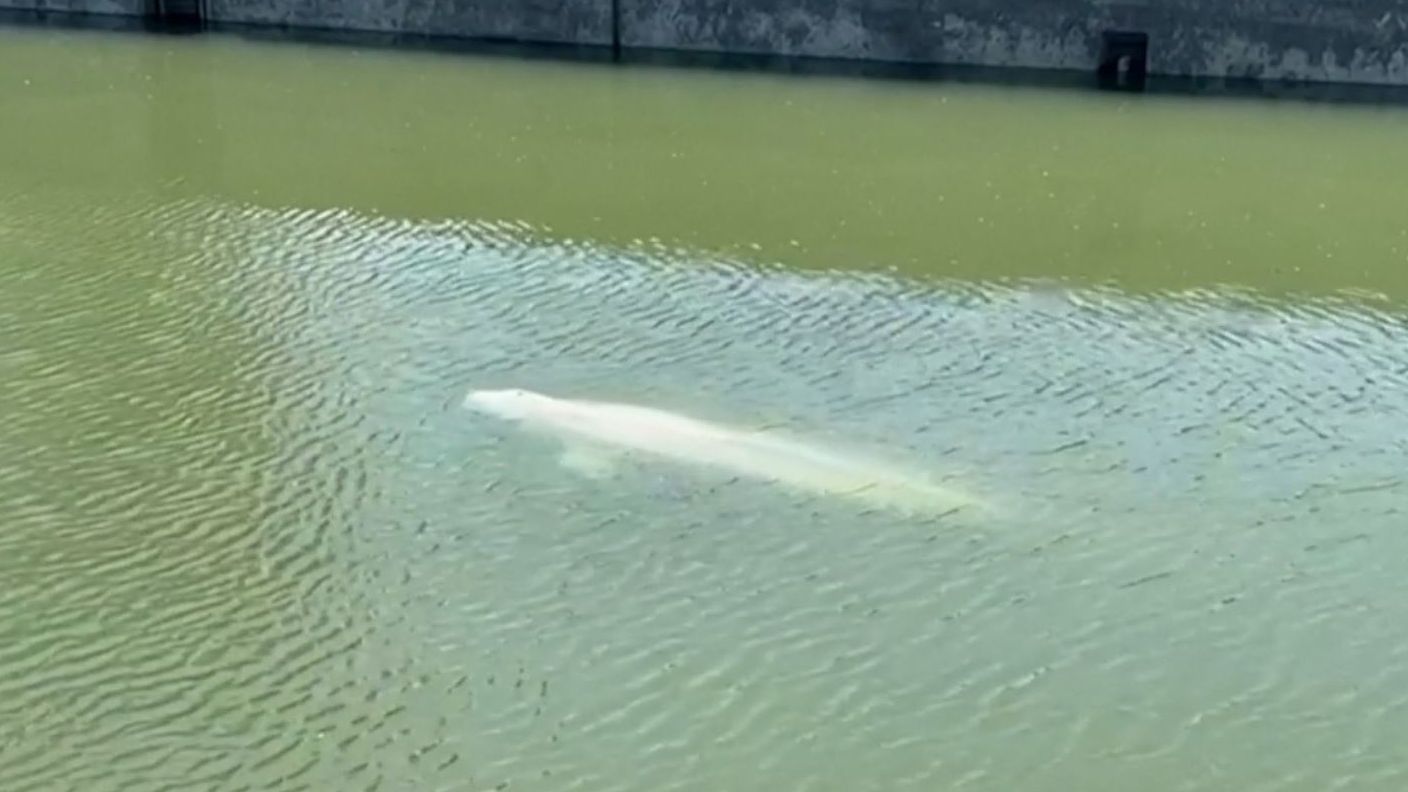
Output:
x=108 y=7
x=587 y=22
x=1355 y=41
x=1340 y=40
x=554 y=21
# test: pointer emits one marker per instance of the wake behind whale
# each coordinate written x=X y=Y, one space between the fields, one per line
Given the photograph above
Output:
x=594 y=432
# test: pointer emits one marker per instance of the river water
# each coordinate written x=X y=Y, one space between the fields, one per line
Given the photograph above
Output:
x=252 y=540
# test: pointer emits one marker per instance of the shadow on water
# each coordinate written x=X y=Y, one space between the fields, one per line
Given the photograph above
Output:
x=1241 y=88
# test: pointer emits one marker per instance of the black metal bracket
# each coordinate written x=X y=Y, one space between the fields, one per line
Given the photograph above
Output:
x=176 y=16
x=1124 y=60
x=616 y=30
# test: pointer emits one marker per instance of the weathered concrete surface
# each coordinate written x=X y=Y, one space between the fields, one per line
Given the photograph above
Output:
x=550 y=21
x=1363 y=41
x=587 y=22
x=110 y=7
x=1349 y=41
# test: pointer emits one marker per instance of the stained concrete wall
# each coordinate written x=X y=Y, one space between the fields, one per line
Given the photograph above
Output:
x=1333 y=40
x=550 y=21
x=105 y=7
x=1354 y=41
x=585 y=22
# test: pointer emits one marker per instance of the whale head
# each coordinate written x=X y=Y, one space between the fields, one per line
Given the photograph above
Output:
x=514 y=404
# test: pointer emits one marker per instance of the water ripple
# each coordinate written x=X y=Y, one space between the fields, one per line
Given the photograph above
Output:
x=254 y=543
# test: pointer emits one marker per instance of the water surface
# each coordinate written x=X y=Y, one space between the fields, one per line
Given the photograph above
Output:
x=253 y=541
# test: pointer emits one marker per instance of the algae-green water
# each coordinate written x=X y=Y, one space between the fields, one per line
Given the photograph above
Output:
x=250 y=539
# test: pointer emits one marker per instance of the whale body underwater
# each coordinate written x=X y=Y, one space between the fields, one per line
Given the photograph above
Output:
x=595 y=433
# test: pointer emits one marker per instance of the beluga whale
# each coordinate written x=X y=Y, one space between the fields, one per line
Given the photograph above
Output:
x=596 y=434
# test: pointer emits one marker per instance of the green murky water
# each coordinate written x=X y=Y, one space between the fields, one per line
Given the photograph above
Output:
x=252 y=540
